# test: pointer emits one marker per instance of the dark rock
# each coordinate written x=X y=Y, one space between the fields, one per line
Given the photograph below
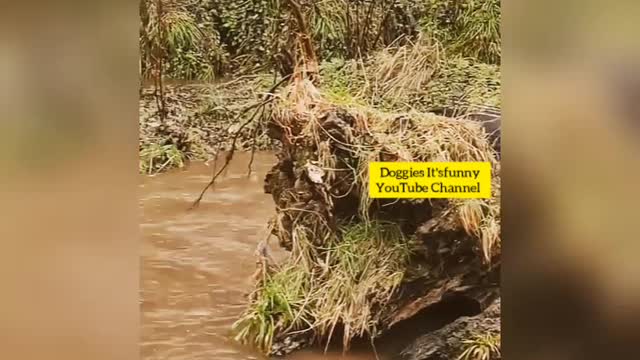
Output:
x=448 y=342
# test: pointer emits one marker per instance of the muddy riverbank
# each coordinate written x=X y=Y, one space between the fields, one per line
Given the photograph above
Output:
x=201 y=119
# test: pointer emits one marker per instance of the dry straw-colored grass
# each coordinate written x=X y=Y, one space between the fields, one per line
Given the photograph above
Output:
x=398 y=72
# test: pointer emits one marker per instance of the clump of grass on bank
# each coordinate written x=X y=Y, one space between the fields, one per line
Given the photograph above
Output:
x=481 y=347
x=393 y=136
x=364 y=270
x=420 y=76
x=155 y=158
x=481 y=219
x=345 y=284
x=279 y=304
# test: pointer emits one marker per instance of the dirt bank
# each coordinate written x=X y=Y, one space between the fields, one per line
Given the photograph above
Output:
x=359 y=267
x=201 y=120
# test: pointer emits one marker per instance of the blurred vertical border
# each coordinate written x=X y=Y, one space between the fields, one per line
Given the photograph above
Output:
x=69 y=109
x=571 y=140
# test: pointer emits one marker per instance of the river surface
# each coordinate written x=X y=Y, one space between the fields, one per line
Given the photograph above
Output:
x=197 y=265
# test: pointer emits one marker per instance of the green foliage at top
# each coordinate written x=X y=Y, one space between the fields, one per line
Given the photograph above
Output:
x=352 y=29
x=178 y=36
x=202 y=39
x=246 y=27
x=470 y=28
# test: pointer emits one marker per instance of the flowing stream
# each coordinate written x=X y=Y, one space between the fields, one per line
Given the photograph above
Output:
x=197 y=265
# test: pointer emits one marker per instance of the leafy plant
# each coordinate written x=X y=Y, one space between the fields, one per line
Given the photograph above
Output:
x=204 y=39
x=279 y=304
x=481 y=347
x=155 y=157
x=172 y=33
x=355 y=276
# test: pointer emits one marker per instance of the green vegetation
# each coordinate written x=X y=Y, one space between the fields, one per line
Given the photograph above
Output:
x=470 y=28
x=386 y=68
x=200 y=120
x=346 y=282
x=192 y=39
x=154 y=158
x=481 y=347
x=276 y=306
x=397 y=56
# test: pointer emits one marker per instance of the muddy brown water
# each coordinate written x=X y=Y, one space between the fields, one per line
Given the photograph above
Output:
x=197 y=265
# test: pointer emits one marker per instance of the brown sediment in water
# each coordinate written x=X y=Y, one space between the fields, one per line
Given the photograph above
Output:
x=197 y=265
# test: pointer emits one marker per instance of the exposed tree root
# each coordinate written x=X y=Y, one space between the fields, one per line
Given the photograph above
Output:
x=358 y=266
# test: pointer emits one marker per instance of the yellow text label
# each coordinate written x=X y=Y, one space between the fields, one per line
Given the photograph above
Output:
x=461 y=180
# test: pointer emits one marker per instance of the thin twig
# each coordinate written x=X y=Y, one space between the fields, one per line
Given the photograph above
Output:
x=229 y=155
x=258 y=107
x=373 y=347
x=365 y=30
x=160 y=53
